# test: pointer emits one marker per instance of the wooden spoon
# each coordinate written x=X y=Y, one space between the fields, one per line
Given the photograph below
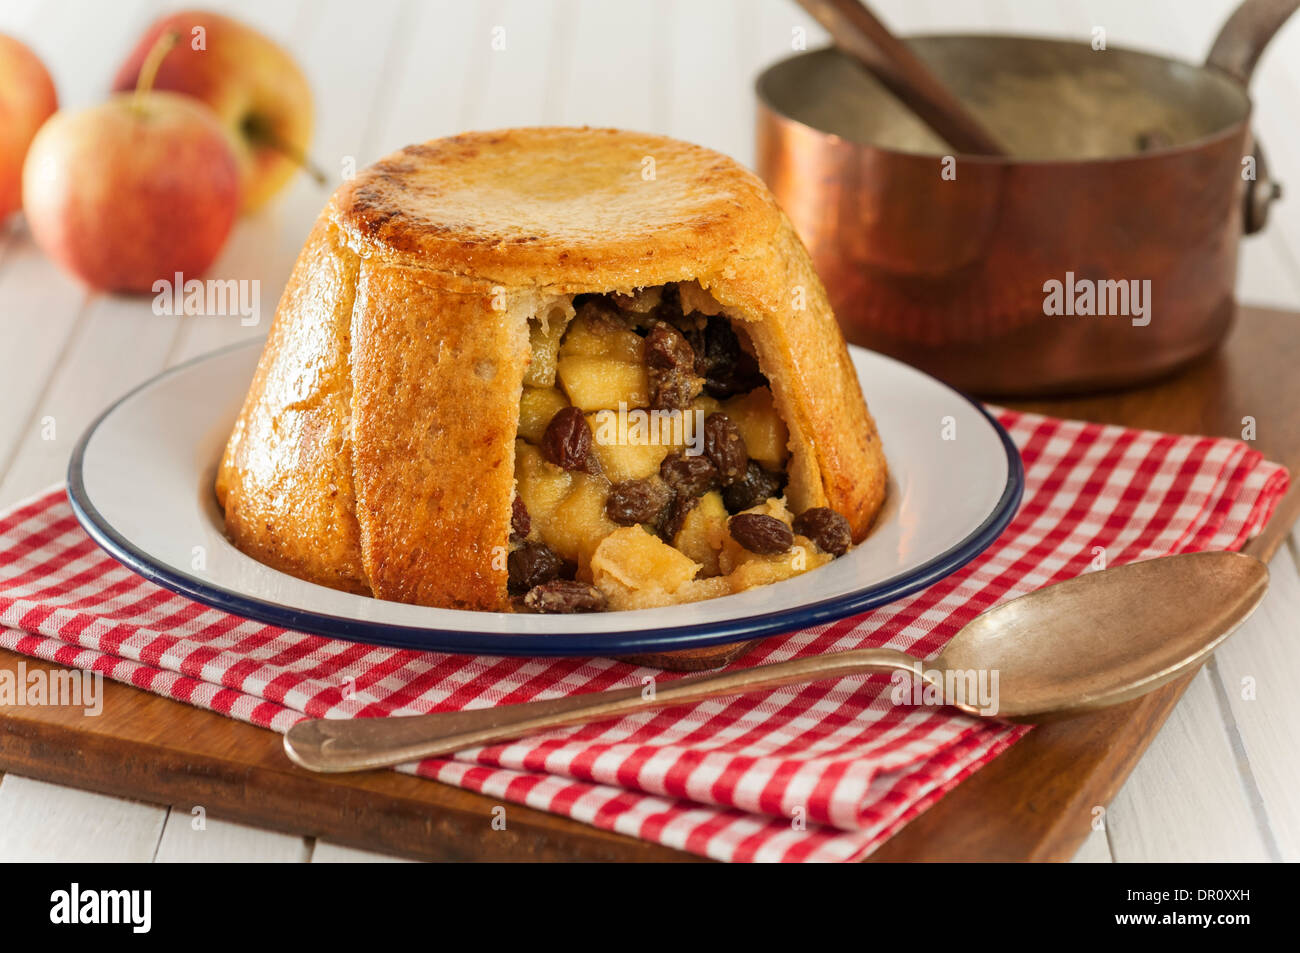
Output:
x=861 y=34
x=1096 y=640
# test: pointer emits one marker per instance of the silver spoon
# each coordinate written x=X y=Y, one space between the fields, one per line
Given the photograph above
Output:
x=1099 y=639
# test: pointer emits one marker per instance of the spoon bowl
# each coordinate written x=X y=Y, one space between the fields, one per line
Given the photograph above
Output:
x=1096 y=640
x=1106 y=637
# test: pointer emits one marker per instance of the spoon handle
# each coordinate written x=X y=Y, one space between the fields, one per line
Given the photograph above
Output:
x=857 y=31
x=334 y=745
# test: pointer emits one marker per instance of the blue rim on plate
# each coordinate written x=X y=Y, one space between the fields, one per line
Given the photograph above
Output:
x=590 y=644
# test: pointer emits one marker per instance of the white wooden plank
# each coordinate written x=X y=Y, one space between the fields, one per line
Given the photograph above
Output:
x=328 y=853
x=123 y=343
x=48 y=822
x=18 y=17
x=780 y=29
x=1267 y=275
x=1094 y=850
x=192 y=837
x=710 y=89
x=782 y=24
x=1185 y=800
x=39 y=315
x=1155 y=26
x=612 y=68
x=251 y=258
x=1257 y=671
x=279 y=20
x=439 y=52
x=514 y=42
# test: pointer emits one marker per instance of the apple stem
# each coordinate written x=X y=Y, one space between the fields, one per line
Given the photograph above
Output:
x=149 y=69
x=258 y=130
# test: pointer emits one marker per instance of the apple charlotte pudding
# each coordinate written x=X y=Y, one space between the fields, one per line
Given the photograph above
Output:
x=552 y=370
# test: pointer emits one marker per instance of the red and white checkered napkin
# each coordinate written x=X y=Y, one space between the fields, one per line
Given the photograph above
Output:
x=814 y=772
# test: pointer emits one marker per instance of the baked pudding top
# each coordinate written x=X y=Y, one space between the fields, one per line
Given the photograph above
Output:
x=520 y=201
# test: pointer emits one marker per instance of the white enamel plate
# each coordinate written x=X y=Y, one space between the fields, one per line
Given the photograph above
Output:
x=140 y=480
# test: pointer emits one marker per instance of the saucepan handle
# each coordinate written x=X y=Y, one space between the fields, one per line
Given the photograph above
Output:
x=1244 y=35
x=1235 y=51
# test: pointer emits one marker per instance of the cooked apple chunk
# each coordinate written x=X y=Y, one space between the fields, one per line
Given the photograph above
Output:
x=596 y=332
x=765 y=433
x=629 y=462
x=637 y=560
x=577 y=525
x=598 y=383
x=537 y=406
x=540 y=485
x=630 y=445
x=703 y=532
x=762 y=570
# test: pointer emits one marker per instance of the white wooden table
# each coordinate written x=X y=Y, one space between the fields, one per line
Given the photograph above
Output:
x=1218 y=783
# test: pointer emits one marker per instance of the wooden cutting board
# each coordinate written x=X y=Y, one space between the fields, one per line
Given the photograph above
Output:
x=1033 y=803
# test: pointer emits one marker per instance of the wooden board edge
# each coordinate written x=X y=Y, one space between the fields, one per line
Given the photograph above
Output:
x=380 y=811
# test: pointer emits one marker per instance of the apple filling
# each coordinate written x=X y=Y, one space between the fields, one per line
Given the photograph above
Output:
x=651 y=462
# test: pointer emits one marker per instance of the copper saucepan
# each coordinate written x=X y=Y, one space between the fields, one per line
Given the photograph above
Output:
x=1131 y=179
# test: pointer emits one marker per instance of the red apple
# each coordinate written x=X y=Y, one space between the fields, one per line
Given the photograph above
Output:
x=252 y=84
x=132 y=190
x=27 y=98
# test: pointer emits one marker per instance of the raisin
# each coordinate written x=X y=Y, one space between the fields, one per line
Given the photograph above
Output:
x=670 y=363
x=666 y=349
x=677 y=512
x=520 y=523
x=689 y=475
x=757 y=487
x=637 y=501
x=668 y=308
x=531 y=565
x=760 y=534
x=828 y=529
x=726 y=367
x=724 y=445
x=565 y=595
x=716 y=348
x=567 y=441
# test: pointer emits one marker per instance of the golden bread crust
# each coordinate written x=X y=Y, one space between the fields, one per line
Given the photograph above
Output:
x=375 y=450
x=573 y=209
x=434 y=420
x=285 y=480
